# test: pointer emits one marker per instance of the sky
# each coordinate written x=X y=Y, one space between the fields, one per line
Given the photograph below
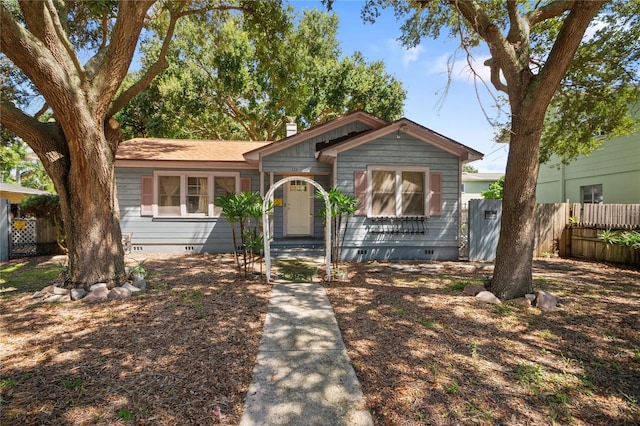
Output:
x=461 y=113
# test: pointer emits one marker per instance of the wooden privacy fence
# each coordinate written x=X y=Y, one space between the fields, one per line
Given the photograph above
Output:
x=618 y=216
x=571 y=230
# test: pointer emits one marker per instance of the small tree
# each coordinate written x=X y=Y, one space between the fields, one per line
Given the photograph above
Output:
x=495 y=191
x=342 y=205
x=241 y=209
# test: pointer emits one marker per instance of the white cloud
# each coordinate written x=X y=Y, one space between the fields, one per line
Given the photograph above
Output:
x=406 y=55
x=460 y=67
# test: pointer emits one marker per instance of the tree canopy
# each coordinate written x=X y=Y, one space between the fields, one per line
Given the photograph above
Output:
x=249 y=86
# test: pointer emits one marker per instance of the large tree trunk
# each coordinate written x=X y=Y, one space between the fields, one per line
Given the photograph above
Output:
x=90 y=211
x=512 y=275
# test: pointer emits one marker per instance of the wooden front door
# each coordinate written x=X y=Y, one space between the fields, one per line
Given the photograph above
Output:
x=299 y=199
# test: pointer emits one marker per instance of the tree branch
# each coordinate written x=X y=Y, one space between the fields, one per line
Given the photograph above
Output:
x=548 y=11
x=64 y=40
x=564 y=49
x=113 y=68
x=160 y=65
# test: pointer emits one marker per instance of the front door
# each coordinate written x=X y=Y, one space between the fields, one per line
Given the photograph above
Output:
x=299 y=198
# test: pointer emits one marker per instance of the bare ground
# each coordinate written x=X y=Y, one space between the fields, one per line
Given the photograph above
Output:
x=424 y=353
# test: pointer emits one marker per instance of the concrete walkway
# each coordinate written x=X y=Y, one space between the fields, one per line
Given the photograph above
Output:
x=303 y=375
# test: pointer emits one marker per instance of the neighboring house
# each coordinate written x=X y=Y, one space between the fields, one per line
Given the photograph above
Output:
x=406 y=176
x=608 y=175
x=15 y=193
x=473 y=184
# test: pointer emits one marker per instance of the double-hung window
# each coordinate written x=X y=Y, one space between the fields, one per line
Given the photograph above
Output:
x=398 y=191
x=184 y=194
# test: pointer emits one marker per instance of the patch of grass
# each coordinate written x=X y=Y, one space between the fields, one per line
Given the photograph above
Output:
x=71 y=383
x=27 y=276
x=453 y=388
x=636 y=354
x=530 y=376
x=473 y=347
x=296 y=270
x=546 y=334
x=125 y=414
x=8 y=383
x=460 y=285
x=503 y=309
x=400 y=312
x=428 y=323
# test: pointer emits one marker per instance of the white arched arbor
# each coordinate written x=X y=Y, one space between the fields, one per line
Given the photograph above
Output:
x=268 y=199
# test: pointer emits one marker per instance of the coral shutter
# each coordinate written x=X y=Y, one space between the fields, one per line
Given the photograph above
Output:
x=435 y=201
x=146 y=196
x=245 y=184
x=360 y=192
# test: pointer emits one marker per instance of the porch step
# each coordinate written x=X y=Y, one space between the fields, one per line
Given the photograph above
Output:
x=297 y=248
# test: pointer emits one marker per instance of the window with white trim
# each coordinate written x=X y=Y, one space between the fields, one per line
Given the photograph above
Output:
x=397 y=191
x=191 y=194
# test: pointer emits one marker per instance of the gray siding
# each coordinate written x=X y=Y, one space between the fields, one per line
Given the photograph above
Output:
x=211 y=235
x=440 y=241
x=301 y=157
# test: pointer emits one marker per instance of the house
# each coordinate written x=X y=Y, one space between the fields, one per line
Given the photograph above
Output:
x=406 y=177
x=473 y=184
x=608 y=175
x=15 y=193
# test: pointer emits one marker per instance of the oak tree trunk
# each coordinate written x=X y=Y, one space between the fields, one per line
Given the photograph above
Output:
x=89 y=205
x=512 y=276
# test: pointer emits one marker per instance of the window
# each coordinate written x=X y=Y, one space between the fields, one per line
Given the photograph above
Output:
x=191 y=194
x=591 y=194
x=398 y=192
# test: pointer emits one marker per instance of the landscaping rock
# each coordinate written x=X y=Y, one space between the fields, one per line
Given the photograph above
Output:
x=546 y=301
x=131 y=288
x=139 y=281
x=97 y=295
x=60 y=290
x=78 y=293
x=488 y=297
x=522 y=301
x=119 y=293
x=54 y=298
x=472 y=290
x=97 y=286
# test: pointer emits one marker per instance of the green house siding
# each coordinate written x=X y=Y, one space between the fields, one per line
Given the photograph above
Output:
x=615 y=166
x=440 y=241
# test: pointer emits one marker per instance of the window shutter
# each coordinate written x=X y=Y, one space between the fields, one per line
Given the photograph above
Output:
x=360 y=192
x=245 y=184
x=435 y=201
x=146 y=196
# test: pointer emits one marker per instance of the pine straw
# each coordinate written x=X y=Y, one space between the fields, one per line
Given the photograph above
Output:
x=169 y=356
x=424 y=353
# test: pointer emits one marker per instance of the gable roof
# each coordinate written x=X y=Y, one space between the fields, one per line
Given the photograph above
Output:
x=362 y=116
x=481 y=177
x=329 y=152
x=15 y=193
x=159 y=149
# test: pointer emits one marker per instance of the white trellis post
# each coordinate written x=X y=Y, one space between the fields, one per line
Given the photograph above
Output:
x=268 y=198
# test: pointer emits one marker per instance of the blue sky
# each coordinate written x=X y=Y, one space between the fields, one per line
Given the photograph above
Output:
x=423 y=73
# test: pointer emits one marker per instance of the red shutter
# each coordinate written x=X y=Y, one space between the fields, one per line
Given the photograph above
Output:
x=435 y=201
x=146 y=196
x=360 y=192
x=245 y=184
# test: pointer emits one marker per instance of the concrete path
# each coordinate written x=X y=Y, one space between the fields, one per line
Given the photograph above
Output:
x=303 y=375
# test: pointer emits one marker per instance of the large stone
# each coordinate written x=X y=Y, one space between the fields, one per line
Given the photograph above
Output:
x=119 y=293
x=97 y=295
x=78 y=293
x=522 y=301
x=97 y=286
x=139 y=281
x=60 y=290
x=130 y=287
x=546 y=301
x=488 y=297
x=57 y=298
x=472 y=290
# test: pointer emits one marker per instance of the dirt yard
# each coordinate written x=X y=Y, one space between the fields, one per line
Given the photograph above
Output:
x=424 y=353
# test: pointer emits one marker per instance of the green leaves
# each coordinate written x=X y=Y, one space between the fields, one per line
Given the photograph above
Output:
x=495 y=191
x=238 y=77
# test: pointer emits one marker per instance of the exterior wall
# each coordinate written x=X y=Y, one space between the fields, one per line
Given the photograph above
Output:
x=149 y=234
x=301 y=157
x=441 y=240
x=473 y=190
x=616 y=165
